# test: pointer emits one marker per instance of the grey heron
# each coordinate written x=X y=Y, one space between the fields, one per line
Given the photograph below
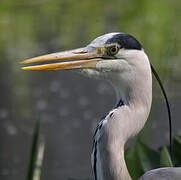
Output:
x=120 y=59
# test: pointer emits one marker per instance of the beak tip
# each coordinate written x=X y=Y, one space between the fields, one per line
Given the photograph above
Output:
x=21 y=62
x=26 y=61
x=23 y=68
x=26 y=68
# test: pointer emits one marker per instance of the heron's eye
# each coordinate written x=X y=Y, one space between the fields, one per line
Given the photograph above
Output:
x=113 y=50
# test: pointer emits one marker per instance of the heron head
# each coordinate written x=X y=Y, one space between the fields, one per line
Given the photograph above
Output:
x=107 y=54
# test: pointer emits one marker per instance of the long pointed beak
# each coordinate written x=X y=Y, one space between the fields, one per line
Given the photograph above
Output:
x=75 y=59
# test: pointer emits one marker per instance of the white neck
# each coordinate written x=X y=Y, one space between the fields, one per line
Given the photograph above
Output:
x=128 y=120
x=132 y=81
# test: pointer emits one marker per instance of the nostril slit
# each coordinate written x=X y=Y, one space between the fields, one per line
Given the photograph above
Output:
x=81 y=52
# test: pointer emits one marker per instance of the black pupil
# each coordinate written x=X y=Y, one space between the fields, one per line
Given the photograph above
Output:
x=113 y=49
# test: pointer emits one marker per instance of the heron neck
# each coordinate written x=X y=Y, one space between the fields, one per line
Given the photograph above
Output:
x=118 y=164
x=128 y=120
x=137 y=98
x=135 y=95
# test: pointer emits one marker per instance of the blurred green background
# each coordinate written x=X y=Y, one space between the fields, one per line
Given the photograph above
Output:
x=67 y=104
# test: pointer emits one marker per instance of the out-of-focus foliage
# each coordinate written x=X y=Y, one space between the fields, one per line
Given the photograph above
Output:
x=140 y=158
x=165 y=159
x=29 y=27
x=36 y=155
x=33 y=154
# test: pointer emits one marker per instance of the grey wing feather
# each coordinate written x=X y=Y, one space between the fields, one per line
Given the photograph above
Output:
x=94 y=149
x=163 y=174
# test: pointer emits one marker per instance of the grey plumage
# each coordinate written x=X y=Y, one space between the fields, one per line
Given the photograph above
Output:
x=120 y=59
x=163 y=174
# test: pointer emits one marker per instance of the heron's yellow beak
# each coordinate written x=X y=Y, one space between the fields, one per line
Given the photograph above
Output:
x=74 y=59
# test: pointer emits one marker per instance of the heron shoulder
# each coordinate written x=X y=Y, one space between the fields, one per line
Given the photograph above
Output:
x=163 y=174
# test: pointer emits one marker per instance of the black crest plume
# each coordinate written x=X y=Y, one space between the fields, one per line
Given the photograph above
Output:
x=167 y=105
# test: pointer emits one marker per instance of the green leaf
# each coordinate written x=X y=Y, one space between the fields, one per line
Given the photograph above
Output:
x=165 y=159
x=149 y=158
x=140 y=159
x=39 y=161
x=133 y=163
x=177 y=150
x=36 y=155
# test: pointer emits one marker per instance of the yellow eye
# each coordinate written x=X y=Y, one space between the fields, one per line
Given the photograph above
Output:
x=113 y=50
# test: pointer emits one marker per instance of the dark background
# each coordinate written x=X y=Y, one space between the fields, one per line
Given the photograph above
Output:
x=67 y=104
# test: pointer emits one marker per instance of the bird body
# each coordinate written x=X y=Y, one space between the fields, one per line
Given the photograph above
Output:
x=163 y=174
x=120 y=59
